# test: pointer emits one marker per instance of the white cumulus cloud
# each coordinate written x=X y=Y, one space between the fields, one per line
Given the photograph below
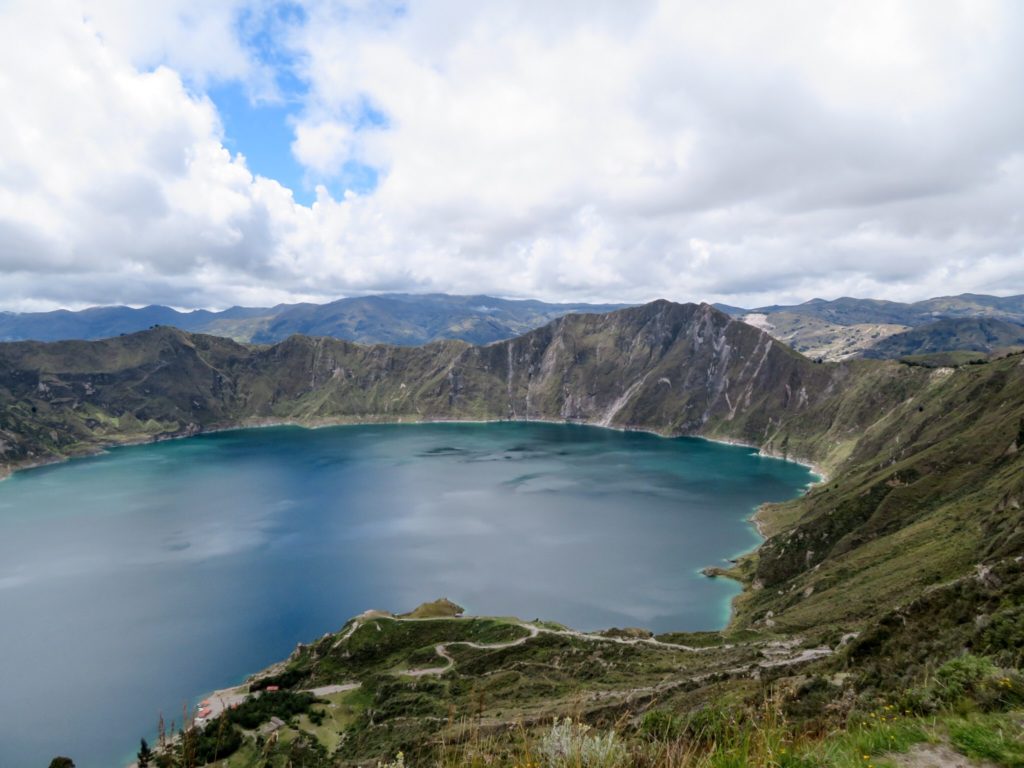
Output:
x=730 y=151
x=323 y=147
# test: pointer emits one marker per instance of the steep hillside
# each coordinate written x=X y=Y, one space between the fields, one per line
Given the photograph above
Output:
x=932 y=488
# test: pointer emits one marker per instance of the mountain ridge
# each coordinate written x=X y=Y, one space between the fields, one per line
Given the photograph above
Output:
x=408 y=319
x=849 y=310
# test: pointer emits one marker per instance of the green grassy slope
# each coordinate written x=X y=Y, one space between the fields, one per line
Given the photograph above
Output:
x=929 y=490
x=396 y=691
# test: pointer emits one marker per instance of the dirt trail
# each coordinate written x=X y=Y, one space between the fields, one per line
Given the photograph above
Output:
x=327 y=690
x=776 y=658
x=442 y=649
x=934 y=756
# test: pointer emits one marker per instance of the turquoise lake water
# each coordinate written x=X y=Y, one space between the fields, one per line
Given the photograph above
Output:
x=133 y=582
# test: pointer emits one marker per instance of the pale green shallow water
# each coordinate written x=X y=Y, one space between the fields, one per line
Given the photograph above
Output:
x=135 y=581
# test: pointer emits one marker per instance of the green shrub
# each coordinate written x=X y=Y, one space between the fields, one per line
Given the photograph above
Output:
x=660 y=725
x=919 y=700
x=962 y=677
x=976 y=682
x=215 y=742
x=1003 y=636
x=710 y=724
x=259 y=709
x=287 y=679
x=1003 y=690
x=812 y=699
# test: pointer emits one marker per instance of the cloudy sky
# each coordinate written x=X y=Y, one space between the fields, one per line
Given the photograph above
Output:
x=204 y=153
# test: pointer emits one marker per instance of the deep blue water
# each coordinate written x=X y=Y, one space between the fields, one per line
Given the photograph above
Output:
x=133 y=582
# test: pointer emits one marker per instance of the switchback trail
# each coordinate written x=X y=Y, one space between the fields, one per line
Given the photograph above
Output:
x=777 y=657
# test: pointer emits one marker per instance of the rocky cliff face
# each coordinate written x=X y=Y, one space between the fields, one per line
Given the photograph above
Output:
x=674 y=369
x=670 y=368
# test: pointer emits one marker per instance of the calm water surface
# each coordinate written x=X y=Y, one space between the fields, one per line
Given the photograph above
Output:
x=133 y=582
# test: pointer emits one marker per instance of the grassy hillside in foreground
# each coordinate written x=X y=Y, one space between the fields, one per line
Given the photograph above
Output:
x=502 y=692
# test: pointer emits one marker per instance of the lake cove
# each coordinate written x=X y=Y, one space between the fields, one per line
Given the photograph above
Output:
x=134 y=581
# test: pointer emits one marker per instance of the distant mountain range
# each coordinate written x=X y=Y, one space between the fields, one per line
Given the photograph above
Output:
x=847 y=327
x=396 y=318
x=829 y=330
x=849 y=311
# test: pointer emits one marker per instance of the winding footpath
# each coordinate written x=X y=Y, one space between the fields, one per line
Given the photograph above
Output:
x=778 y=656
x=442 y=648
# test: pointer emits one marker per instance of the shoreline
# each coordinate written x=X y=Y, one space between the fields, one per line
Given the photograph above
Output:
x=9 y=470
x=820 y=475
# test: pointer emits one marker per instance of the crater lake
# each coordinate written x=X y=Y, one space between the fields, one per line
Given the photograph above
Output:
x=135 y=581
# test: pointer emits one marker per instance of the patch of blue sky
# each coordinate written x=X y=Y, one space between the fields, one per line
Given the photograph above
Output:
x=263 y=28
x=357 y=177
x=260 y=124
x=367 y=116
x=262 y=132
